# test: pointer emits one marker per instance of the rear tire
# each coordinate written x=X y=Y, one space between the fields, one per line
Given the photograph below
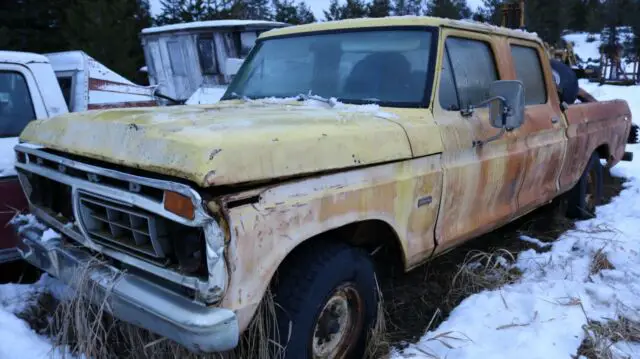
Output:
x=587 y=193
x=326 y=301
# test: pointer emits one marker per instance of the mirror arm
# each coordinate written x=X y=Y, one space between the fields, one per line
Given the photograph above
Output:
x=480 y=143
x=467 y=112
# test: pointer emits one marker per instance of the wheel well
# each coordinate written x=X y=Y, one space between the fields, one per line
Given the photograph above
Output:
x=604 y=152
x=376 y=237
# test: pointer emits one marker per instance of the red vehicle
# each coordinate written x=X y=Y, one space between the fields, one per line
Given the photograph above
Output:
x=36 y=87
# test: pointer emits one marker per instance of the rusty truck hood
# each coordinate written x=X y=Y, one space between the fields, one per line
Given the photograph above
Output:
x=231 y=142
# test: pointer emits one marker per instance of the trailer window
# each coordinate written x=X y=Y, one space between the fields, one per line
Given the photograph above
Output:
x=65 y=85
x=207 y=55
x=176 y=58
x=247 y=42
x=16 y=107
x=529 y=71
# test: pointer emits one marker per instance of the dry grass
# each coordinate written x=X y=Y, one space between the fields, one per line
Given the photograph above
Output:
x=89 y=330
x=600 y=337
x=600 y=262
x=378 y=344
x=482 y=271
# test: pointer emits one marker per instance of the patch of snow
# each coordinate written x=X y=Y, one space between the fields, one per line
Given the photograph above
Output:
x=583 y=48
x=17 y=339
x=206 y=96
x=542 y=314
x=212 y=24
x=535 y=241
x=21 y=57
x=50 y=234
x=7 y=156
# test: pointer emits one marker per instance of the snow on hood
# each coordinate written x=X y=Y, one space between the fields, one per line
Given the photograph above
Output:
x=251 y=140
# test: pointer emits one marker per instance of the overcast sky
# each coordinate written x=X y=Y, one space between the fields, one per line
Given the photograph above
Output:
x=316 y=6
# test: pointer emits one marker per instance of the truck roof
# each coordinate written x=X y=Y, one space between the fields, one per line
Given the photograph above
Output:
x=212 y=24
x=403 y=21
x=17 y=57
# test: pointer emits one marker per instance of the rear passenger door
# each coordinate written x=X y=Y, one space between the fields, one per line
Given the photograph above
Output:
x=481 y=183
x=543 y=128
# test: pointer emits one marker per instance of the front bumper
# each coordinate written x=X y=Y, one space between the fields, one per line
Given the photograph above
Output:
x=131 y=298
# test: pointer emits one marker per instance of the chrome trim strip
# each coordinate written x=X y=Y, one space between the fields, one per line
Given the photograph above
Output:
x=201 y=215
x=205 y=291
x=134 y=299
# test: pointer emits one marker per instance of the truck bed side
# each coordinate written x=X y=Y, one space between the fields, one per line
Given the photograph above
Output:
x=594 y=126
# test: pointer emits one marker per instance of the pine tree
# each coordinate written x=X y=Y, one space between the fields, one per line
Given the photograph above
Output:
x=288 y=12
x=407 y=7
x=490 y=12
x=379 y=8
x=354 y=9
x=33 y=25
x=305 y=15
x=108 y=30
x=450 y=9
x=547 y=18
x=178 y=11
x=334 y=12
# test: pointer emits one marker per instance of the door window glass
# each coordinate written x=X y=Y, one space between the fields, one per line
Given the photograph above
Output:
x=16 y=106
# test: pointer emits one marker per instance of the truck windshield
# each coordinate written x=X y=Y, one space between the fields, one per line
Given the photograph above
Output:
x=389 y=67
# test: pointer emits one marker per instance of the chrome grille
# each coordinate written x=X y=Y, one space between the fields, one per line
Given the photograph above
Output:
x=113 y=224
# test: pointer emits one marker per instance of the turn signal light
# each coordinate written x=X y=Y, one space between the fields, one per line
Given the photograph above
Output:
x=179 y=204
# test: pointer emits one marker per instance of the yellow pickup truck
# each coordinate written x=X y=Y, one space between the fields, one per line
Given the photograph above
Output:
x=333 y=139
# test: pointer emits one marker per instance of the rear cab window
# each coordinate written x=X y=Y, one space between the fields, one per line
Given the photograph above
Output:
x=528 y=65
x=468 y=69
x=16 y=106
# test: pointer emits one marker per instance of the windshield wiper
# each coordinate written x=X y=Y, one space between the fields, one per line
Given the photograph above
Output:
x=305 y=97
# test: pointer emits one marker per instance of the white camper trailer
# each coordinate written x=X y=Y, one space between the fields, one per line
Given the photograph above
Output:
x=183 y=58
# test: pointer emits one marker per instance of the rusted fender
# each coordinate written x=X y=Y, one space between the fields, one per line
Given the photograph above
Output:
x=592 y=125
x=404 y=195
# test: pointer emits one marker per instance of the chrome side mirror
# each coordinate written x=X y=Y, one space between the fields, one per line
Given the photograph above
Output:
x=506 y=106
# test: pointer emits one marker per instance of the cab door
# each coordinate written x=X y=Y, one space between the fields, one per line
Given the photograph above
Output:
x=20 y=103
x=544 y=126
x=481 y=182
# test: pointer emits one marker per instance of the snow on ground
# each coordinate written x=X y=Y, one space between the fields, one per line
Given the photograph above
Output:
x=7 y=156
x=17 y=339
x=582 y=47
x=542 y=315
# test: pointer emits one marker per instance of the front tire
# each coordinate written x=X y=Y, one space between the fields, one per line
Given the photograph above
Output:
x=326 y=301
x=587 y=193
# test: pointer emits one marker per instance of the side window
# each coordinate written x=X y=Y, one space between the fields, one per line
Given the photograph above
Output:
x=448 y=94
x=471 y=71
x=176 y=58
x=529 y=71
x=207 y=55
x=16 y=107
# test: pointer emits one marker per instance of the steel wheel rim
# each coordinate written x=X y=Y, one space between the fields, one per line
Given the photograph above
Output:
x=339 y=324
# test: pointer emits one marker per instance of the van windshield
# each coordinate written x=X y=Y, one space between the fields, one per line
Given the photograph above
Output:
x=389 y=67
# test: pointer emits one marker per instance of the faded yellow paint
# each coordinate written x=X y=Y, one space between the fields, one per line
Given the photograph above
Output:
x=263 y=233
x=476 y=27
x=235 y=142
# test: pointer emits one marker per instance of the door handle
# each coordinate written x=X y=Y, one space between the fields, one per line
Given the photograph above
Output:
x=554 y=120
